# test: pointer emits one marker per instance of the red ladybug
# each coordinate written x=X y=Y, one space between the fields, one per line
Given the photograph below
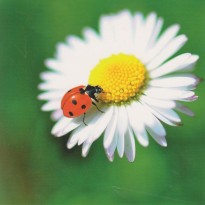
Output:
x=78 y=100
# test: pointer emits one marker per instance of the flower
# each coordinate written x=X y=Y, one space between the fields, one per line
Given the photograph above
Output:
x=131 y=60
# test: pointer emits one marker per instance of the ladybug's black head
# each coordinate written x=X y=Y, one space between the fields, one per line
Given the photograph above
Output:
x=92 y=90
x=98 y=89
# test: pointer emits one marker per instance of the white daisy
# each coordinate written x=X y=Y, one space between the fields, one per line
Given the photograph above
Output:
x=131 y=61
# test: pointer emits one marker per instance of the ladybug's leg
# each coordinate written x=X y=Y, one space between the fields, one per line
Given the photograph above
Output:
x=84 y=119
x=97 y=107
x=94 y=98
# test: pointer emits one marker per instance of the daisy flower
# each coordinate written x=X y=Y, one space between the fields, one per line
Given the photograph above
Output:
x=131 y=59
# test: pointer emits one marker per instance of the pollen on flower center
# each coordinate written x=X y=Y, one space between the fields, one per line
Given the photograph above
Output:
x=120 y=76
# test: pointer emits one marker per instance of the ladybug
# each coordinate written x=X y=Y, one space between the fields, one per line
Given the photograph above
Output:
x=78 y=100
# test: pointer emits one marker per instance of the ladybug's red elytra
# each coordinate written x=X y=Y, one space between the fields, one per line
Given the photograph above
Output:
x=79 y=99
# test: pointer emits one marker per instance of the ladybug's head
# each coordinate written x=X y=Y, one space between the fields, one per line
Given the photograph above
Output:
x=98 y=89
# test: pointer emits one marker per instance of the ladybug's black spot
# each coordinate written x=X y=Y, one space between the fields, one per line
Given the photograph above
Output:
x=70 y=113
x=82 y=91
x=74 y=102
x=68 y=91
x=83 y=106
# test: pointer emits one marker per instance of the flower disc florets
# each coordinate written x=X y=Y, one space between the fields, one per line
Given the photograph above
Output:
x=121 y=77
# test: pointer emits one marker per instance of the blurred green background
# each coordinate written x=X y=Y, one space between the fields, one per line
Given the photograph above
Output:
x=36 y=168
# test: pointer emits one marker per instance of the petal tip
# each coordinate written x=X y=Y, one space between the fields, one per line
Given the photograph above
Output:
x=54 y=133
x=192 y=114
x=110 y=157
x=70 y=145
x=131 y=160
x=145 y=144
x=195 y=97
x=84 y=153
x=44 y=108
x=180 y=124
x=60 y=134
x=164 y=144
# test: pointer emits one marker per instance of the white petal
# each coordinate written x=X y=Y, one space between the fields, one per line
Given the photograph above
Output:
x=137 y=124
x=95 y=50
x=183 y=109
x=123 y=33
x=170 y=94
x=49 y=76
x=110 y=157
x=154 y=34
x=129 y=145
x=90 y=35
x=163 y=118
x=72 y=65
x=170 y=115
x=53 y=64
x=85 y=148
x=56 y=115
x=51 y=95
x=158 y=102
x=175 y=81
x=138 y=34
x=61 y=85
x=166 y=115
x=107 y=35
x=63 y=51
x=147 y=33
x=100 y=127
x=170 y=49
x=96 y=120
x=106 y=30
x=111 y=149
x=73 y=123
x=60 y=125
x=122 y=125
x=78 y=133
x=180 y=62
x=191 y=62
x=153 y=126
x=83 y=133
x=51 y=105
x=162 y=42
x=76 y=42
x=110 y=129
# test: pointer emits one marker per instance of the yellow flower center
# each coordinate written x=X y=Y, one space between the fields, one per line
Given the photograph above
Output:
x=121 y=77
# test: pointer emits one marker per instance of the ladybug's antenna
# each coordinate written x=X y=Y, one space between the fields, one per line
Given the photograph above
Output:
x=106 y=92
